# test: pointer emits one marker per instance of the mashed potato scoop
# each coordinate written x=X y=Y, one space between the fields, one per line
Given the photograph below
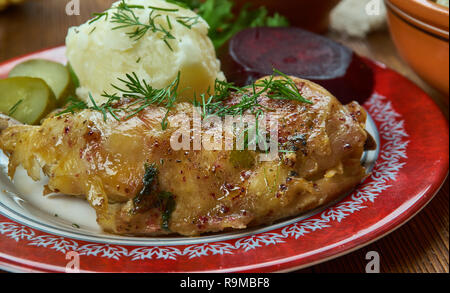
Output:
x=153 y=38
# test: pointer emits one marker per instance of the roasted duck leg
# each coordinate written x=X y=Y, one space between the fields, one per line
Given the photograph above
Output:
x=139 y=185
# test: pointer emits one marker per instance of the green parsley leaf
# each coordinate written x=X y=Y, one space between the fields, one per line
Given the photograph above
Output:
x=224 y=24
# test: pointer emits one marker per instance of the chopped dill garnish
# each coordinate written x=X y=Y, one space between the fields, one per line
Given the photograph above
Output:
x=166 y=202
x=283 y=89
x=73 y=105
x=98 y=16
x=123 y=16
x=141 y=95
x=150 y=186
x=163 y=9
x=188 y=22
x=277 y=89
x=150 y=197
x=168 y=22
x=179 y=3
x=14 y=108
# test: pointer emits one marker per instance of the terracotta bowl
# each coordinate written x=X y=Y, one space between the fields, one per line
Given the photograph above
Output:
x=420 y=30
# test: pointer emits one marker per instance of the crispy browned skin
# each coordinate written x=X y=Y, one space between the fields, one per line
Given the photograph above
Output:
x=85 y=156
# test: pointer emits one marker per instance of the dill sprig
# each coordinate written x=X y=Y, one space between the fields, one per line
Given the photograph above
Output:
x=124 y=17
x=163 y=9
x=143 y=95
x=98 y=16
x=283 y=89
x=187 y=21
x=140 y=95
x=179 y=3
x=277 y=89
x=73 y=105
x=14 y=107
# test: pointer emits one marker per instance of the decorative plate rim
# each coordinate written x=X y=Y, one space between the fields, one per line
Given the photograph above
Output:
x=393 y=156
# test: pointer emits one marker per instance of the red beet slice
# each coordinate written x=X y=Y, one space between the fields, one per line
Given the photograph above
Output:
x=253 y=53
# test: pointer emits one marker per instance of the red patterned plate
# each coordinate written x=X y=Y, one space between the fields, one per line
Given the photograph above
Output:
x=408 y=168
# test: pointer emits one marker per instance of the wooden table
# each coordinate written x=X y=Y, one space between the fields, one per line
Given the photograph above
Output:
x=421 y=245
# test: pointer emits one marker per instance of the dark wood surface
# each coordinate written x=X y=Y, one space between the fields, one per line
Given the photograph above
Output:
x=421 y=245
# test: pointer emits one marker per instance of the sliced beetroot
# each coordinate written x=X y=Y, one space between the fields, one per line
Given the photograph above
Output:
x=253 y=53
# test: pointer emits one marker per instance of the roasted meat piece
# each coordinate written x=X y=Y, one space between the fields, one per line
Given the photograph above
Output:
x=139 y=185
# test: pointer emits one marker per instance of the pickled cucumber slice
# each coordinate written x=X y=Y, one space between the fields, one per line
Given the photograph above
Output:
x=56 y=75
x=26 y=99
x=73 y=75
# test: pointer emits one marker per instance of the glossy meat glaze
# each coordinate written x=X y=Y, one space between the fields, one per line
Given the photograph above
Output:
x=139 y=185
